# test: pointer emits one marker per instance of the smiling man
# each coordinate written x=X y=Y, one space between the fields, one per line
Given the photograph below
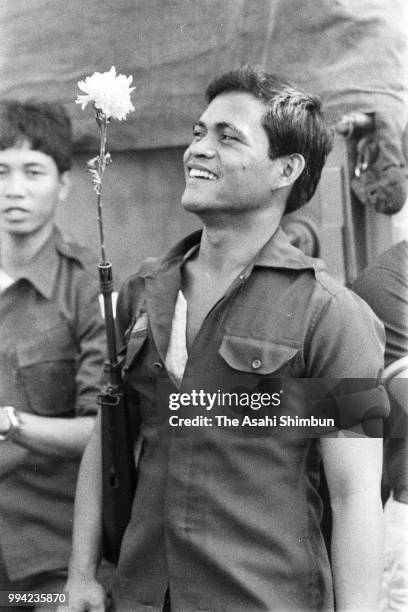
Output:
x=224 y=519
x=51 y=350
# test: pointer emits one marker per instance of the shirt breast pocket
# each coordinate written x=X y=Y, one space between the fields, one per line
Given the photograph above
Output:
x=47 y=369
x=259 y=357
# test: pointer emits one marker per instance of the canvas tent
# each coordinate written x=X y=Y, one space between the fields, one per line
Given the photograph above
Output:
x=352 y=53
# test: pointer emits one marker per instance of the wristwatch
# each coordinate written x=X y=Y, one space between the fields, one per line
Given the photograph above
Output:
x=14 y=423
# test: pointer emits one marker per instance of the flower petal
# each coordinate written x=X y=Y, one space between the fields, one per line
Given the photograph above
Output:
x=109 y=92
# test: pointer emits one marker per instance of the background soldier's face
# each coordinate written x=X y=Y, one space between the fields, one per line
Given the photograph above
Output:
x=30 y=188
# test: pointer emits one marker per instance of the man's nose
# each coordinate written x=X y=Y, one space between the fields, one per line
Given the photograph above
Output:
x=15 y=185
x=203 y=147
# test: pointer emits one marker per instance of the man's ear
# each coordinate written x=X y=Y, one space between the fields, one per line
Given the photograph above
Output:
x=292 y=167
x=65 y=185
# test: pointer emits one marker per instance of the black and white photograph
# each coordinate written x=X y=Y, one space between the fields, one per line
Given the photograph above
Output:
x=203 y=306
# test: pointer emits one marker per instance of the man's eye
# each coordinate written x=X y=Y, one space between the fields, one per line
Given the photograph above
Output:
x=197 y=133
x=33 y=173
x=227 y=136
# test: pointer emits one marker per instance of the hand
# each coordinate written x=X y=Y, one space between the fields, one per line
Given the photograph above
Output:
x=85 y=595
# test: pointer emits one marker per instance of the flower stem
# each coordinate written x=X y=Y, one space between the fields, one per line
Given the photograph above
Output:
x=101 y=168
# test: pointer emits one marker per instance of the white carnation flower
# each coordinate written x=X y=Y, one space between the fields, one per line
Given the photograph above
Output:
x=109 y=93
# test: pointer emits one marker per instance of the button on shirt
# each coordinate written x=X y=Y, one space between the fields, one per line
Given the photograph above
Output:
x=231 y=521
x=51 y=354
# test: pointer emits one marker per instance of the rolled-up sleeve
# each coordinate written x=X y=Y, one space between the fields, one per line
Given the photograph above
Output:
x=346 y=350
x=90 y=334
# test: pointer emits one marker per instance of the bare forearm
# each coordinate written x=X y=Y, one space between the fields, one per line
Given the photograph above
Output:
x=87 y=533
x=57 y=437
x=353 y=471
x=357 y=552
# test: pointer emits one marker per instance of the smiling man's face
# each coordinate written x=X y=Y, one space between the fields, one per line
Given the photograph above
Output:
x=227 y=165
x=30 y=188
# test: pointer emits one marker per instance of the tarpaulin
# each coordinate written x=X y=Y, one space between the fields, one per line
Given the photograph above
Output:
x=353 y=53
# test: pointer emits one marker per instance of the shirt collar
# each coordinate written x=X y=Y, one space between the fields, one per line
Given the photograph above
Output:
x=42 y=270
x=278 y=252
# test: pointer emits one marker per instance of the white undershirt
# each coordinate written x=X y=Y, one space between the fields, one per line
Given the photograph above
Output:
x=177 y=355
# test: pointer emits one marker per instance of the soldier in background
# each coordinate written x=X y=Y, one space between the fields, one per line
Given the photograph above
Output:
x=384 y=286
x=51 y=350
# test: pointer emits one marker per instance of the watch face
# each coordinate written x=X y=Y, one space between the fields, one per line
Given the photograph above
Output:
x=5 y=422
x=9 y=422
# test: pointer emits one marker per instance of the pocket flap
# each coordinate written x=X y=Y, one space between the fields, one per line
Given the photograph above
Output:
x=255 y=355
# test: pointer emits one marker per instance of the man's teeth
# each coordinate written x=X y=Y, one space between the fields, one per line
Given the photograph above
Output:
x=205 y=174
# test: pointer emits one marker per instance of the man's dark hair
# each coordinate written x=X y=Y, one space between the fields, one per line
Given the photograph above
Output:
x=46 y=126
x=293 y=121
